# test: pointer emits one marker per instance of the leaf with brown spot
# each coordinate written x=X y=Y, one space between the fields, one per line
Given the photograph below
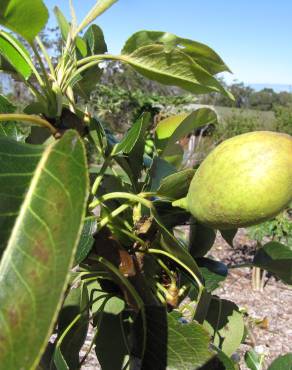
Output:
x=36 y=262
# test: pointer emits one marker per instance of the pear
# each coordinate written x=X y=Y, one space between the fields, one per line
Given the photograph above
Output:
x=244 y=181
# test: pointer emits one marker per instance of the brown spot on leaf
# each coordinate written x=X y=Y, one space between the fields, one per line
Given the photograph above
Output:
x=13 y=317
x=40 y=251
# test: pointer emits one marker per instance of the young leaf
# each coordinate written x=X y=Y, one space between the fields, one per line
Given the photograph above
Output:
x=253 y=360
x=94 y=39
x=63 y=24
x=276 y=258
x=174 y=68
x=13 y=56
x=17 y=15
x=202 y=54
x=135 y=133
x=34 y=267
x=176 y=186
x=159 y=170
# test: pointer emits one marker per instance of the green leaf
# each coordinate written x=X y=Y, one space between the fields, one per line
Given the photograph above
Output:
x=14 y=57
x=14 y=130
x=17 y=15
x=34 y=267
x=225 y=323
x=276 y=258
x=282 y=363
x=63 y=24
x=214 y=272
x=17 y=165
x=111 y=345
x=253 y=360
x=201 y=53
x=175 y=186
x=159 y=170
x=202 y=239
x=174 y=155
x=94 y=39
x=220 y=362
x=228 y=235
x=88 y=81
x=86 y=241
x=135 y=133
x=172 y=68
x=174 y=128
x=67 y=350
x=188 y=344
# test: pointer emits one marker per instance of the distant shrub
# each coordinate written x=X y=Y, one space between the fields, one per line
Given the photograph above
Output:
x=283 y=121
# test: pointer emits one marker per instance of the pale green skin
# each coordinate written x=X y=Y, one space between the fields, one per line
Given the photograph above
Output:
x=244 y=181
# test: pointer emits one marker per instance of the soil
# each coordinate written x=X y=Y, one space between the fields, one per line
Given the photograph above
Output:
x=271 y=308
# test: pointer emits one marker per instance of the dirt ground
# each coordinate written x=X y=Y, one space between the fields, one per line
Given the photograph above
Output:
x=274 y=305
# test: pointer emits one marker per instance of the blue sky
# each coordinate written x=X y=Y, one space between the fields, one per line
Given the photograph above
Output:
x=254 y=37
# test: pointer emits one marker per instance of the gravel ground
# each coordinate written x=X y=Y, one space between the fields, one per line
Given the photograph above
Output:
x=274 y=336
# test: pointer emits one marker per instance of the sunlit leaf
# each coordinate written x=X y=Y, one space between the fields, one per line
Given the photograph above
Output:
x=17 y=15
x=35 y=265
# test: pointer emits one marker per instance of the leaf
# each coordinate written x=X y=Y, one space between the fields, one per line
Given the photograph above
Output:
x=202 y=54
x=253 y=360
x=13 y=56
x=34 y=267
x=220 y=362
x=214 y=272
x=225 y=323
x=282 y=363
x=14 y=130
x=86 y=241
x=159 y=170
x=188 y=344
x=276 y=258
x=133 y=135
x=174 y=155
x=172 y=68
x=111 y=346
x=202 y=239
x=94 y=39
x=67 y=350
x=88 y=81
x=228 y=235
x=182 y=125
x=17 y=15
x=175 y=186
x=156 y=338
x=17 y=165
x=63 y=24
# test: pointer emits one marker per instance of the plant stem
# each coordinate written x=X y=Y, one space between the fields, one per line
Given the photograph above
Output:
x=46 y=56
x=121 y=195
x=28 y=118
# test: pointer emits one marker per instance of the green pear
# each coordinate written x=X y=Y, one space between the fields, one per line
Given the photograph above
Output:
x=244 y=181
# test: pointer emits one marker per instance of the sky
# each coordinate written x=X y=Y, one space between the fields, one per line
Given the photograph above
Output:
x=253 y=37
